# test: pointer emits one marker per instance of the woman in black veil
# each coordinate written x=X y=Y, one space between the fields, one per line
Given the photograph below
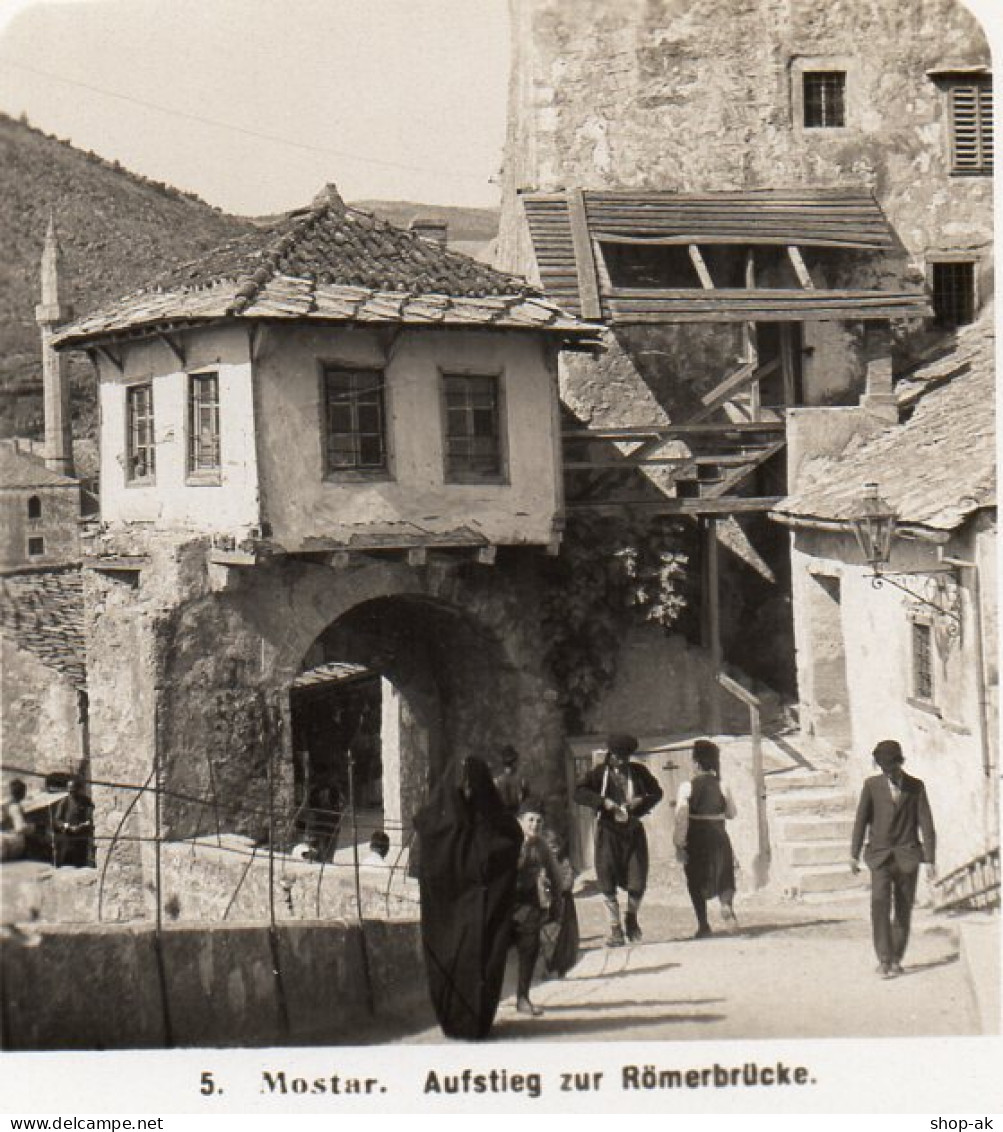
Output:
x=468 y=857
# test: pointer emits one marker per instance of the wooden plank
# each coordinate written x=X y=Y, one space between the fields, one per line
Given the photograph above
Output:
x=701 y=268
x=800 y=269
x=728 y=505
x=588 y=285
x=669 y=431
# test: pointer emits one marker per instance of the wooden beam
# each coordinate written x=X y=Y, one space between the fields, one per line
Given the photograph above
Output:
x=800 y=268
x=588 y=286
x=668 y=432
x=174 y=346
x=701 y=268
x=259 y=339
x=110 y=357
x=712 y=626
x=699 y=505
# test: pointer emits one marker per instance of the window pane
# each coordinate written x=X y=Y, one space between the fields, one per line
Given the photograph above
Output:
x=473 y=438
x=356 y=433
x=824 y=99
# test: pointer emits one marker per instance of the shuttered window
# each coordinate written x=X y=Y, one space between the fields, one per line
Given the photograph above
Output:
x=971 y=127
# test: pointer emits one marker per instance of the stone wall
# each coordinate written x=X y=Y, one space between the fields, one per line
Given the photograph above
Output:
x=39 y=716
x=238 y=985
x=58 y=526
x=855 y=678
x=690 y=96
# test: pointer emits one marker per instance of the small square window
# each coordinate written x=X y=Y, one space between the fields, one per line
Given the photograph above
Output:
x=824 y=99
x=922 y=661
x=36 y=547
x=953 y=285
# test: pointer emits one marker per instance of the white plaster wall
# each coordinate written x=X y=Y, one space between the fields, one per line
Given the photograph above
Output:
x=943 y=748
x=303 y=508
x=171 y=501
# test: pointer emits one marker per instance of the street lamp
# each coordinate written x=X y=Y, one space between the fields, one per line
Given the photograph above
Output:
x=873 y=523
x=873 y=526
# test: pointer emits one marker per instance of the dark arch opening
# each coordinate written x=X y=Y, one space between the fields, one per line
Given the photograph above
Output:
x=387 y=695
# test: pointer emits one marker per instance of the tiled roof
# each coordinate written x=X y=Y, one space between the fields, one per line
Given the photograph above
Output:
x=331 y=263
x=42 y=611
x=937 y=468
x=23 y=470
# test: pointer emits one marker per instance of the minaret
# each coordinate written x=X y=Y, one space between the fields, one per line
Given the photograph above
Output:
x=49 y=314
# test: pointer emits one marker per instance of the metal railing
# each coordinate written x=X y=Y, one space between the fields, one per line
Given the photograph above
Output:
x=973 y=886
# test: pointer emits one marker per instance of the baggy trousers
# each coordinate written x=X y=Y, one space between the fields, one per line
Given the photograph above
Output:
x=893 y=891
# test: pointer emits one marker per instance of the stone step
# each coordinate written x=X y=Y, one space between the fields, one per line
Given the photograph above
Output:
x=810 y=853
x=796 y=781
x=832 y=880
x=815 y=803
x=817 y=829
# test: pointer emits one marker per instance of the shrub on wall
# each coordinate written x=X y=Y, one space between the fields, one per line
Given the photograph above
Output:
x=610 y=571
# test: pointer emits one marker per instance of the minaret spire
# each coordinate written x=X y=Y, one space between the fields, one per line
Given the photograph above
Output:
x=49 y=314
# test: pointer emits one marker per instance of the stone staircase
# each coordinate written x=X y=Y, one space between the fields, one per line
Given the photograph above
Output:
x=810 y=807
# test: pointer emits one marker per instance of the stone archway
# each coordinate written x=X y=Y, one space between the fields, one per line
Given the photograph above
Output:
x=444 y=686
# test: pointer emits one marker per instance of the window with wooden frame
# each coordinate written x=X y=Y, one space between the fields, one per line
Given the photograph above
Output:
x=203 y=425
x=952 y=284
x=922 y=661
x=473 y=427
x=971 y=113
x=824 y=99
x=36 y=547
x=140 y=449
x=355 y=421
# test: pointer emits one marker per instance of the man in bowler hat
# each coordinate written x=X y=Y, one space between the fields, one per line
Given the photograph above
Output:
x=894 y=808
x=620 y=792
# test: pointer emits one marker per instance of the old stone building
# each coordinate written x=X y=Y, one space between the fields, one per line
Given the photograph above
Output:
x=329 y=460
x=768 y=205
x=906 y=646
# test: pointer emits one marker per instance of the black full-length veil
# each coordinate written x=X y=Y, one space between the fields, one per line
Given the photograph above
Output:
x=469 y=853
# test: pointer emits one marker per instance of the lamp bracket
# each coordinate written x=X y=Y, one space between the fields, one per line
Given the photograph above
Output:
x=945 y=600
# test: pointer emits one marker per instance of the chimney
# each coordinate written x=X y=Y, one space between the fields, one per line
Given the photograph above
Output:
x=49 y=314
x=429 y=229
x=879 y=393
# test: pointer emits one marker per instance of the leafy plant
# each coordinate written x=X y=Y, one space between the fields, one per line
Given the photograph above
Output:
x=610 y=572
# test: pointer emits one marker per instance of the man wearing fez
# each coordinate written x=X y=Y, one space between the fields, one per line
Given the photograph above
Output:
x=894 y=807
x=620 y=792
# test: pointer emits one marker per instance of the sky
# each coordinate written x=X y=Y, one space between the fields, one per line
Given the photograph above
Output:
x=256 y=104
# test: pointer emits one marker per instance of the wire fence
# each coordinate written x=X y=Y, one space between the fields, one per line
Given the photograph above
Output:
x=303 y=845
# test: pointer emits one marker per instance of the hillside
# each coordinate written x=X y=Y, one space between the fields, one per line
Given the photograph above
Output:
x=465 y=225
x=116 y=230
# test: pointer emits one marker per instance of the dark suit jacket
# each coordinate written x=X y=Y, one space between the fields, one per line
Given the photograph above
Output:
x=902 y=832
